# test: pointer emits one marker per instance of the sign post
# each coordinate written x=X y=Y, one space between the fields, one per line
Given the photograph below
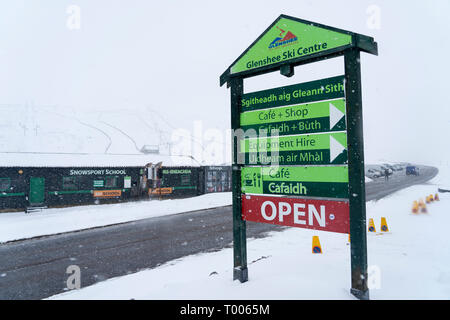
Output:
x=298 y=152
x=239 y=226
x=356 y=187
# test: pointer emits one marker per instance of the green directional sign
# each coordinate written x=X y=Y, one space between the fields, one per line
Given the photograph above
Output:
x=330 y=182
x=325 y=148
x=294 y=143
x=287 y=40
x=318 y=90
x=324 y=116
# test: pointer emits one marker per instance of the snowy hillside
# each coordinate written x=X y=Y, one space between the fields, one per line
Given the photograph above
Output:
x=37 y=128
x=48 y=134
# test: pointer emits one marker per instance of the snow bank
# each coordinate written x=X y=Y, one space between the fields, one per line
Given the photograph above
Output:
x=16 y=225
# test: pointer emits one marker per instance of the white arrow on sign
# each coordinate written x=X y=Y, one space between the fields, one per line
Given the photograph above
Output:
x=336 y=148
x=335 y=115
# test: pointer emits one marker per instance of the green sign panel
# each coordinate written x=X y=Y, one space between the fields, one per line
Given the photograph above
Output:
x=324 y=89
x=329 y=182
x=326 y=148
x=288 y=39
x=292 y=143
x=322 y=116
x=98 y=183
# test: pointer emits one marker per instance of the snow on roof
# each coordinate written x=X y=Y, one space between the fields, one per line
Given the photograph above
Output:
x=93 y=160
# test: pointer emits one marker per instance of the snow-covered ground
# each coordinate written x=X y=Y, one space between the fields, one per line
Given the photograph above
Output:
x=19 y=225
x=409 y=262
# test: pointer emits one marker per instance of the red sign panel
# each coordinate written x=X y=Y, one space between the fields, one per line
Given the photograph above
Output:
x=326 y=215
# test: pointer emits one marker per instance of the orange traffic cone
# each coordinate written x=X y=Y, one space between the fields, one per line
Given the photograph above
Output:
x=316 y=247
x=371 y=226
x=384 y=226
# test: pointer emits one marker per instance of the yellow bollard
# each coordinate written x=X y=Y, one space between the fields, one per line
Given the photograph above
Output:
x=421 y=203
x=436 y=197
x=415 y=207
x=431 y=198
x=384 y=226
x=427 y=199
x=423 y=208
x=371 y=226
x=316 y=247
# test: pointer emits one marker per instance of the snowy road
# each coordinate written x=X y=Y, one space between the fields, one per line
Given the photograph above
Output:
x=379 y=188
x=35 y=269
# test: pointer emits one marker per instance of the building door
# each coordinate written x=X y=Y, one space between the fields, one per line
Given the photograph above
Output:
x=37 y=190
x=201 y=181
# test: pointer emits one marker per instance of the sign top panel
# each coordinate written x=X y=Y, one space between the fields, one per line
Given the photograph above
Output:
x=287 y=40
x=290 y=40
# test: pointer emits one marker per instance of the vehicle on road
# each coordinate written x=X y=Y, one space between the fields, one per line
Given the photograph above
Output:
x=412 y=170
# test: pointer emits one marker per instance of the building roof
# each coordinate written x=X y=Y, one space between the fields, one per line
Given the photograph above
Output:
x=93 y=160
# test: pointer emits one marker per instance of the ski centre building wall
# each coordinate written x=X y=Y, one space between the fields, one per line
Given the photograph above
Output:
x=22 y=187
x=218 y=179
x=191 y=181
x=178 y=181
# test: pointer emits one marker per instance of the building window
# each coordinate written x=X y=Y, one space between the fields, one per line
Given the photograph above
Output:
x=5 y=184
x=70 y=183
x=185 y=179
x=111 y=182
x=84 y=183
x=99 y=183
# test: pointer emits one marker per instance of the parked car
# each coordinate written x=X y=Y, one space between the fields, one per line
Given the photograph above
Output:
x=381 y=173
x=370 y=173
x=373 y=173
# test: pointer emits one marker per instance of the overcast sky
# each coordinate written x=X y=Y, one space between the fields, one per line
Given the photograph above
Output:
x=169 y=55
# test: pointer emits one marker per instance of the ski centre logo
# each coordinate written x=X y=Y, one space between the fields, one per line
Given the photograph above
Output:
x=285 y=38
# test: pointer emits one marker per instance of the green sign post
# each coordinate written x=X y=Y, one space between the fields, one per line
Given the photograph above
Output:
x=301 y=141
x=321 y=116
x=287 y=40
x=325 y=89
x=325 y=148
x=330 y=182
